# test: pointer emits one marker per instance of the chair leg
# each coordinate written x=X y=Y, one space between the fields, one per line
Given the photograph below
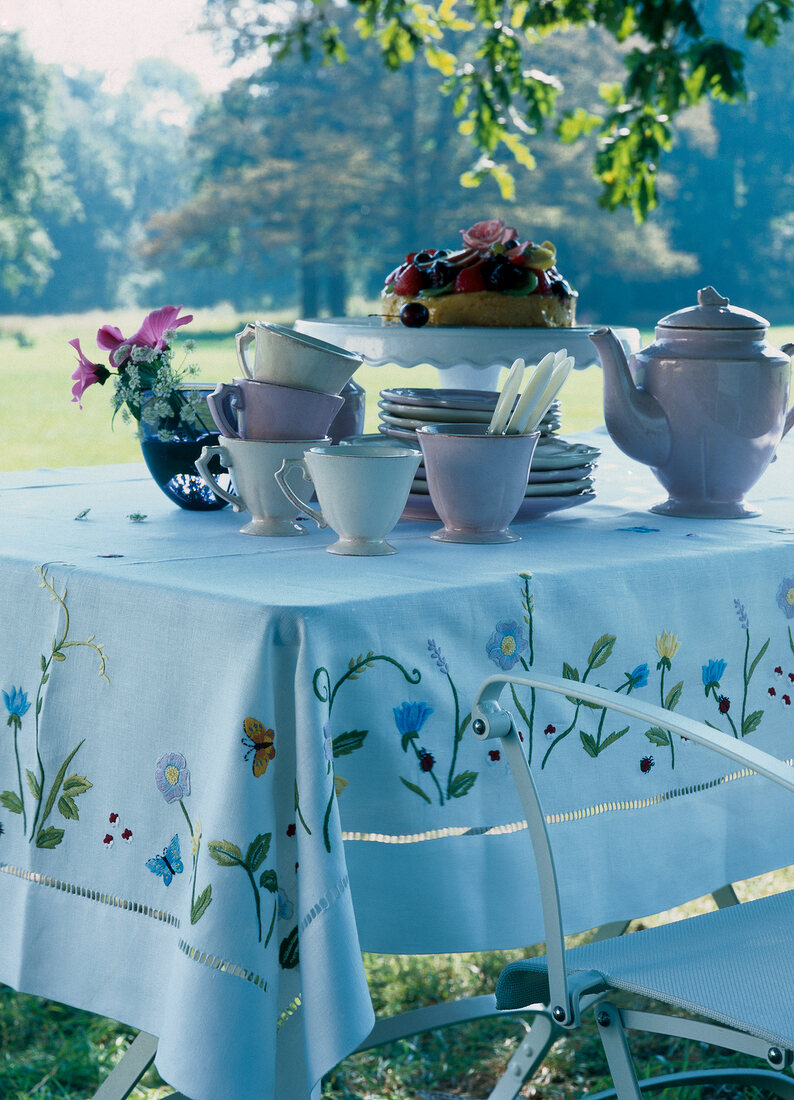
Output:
x=123 y=1078
x=616 y=1049
x=533 y=1048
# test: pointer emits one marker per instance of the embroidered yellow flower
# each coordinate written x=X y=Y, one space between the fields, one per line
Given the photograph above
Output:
x=196 y=838
x=667 y=645
x=339 y=784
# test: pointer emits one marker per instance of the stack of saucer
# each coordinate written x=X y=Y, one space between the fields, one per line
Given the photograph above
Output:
x=402 y=411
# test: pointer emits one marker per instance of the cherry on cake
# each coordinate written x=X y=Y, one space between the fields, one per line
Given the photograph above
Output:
x=495 y=280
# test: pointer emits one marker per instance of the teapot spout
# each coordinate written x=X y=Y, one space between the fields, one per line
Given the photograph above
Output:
x=634 y=418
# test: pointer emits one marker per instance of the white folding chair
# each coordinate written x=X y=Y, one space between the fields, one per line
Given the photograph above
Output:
x=732 y=968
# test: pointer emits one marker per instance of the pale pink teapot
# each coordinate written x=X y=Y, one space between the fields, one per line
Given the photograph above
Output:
x=704 y=405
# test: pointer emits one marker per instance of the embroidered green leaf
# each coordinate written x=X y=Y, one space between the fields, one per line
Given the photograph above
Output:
x=348 y=742
x=613 y=737
x=674 y=696
x=589 y=744
x=601 y=651
x=33 y=784
x=407 y=738
x=757 y=658
x=56 y=786
x=58 y=656
x=257 y=850
x=11 y=801
x=43 y=663
x=288 y=953
x=68 y=808
x=462 y=784
x=49 y=838
x=269 y=880
x=752 y=722
x=413 y=787
x=569 y=672
x=74 y=785
x=225 y=853
x=199 y=907
x=658 y=736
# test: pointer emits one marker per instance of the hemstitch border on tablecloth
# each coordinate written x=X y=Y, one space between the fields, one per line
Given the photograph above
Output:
x=86 y=892
x=619 y=806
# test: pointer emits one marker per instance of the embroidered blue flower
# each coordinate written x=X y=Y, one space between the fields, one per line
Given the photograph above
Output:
x=639 y=677
x=285 y=906
x=16 y=704
x=785 y=597
x=172 y=777
x=713 y=673
x=435 y=653
x=410 y=717
x=506 y=644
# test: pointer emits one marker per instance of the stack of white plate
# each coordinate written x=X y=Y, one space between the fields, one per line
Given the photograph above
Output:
x=402 y=411
x=561 y=475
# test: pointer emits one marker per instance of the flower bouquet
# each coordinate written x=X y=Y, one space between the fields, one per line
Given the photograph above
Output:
x=173 y=420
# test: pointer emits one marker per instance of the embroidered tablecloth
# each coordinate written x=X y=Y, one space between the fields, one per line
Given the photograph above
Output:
x=232 y=763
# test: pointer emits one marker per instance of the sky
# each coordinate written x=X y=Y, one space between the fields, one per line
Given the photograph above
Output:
x=110 y=36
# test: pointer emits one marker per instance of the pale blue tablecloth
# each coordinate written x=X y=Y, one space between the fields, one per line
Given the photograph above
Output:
x=298 y=721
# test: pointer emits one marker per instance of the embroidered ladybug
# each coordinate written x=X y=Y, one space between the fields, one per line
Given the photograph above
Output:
x=646 y=763
x=291 y=829
x=724 y=704
x=550 y=729
x=426 y=761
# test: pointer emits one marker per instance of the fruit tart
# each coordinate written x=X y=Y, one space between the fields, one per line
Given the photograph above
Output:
x=494 y=280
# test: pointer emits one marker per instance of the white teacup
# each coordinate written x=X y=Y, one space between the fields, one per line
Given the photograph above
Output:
x=252 y=464
x=362 y=490
x=292 y=358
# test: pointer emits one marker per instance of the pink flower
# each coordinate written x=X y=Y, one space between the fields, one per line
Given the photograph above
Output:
x=149 y=335
x=87 y=373
x=483 y=235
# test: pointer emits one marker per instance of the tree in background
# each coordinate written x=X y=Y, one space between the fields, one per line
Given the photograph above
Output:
x=32 y=189
x=483 y=54
x=330 y=174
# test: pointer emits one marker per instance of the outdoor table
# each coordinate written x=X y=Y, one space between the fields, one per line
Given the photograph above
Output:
x=233 y=763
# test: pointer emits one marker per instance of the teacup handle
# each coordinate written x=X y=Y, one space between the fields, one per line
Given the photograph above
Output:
x=221 y=401
x=241 y=341
x=202 y=465
x=281 y=477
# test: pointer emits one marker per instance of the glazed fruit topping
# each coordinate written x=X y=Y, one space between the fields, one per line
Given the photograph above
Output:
x=494 y=259
x=414 y=314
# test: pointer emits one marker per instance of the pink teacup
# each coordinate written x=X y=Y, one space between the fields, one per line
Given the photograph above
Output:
x=476 y=481
x=247 y=409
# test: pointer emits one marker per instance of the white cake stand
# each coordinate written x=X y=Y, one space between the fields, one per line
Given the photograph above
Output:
x=471 y=358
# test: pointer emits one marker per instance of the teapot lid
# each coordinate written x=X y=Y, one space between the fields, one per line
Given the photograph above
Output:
x=713 y=312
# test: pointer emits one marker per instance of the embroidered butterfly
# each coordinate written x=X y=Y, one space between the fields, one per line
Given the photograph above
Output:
x=169 y=863
x=259 y=742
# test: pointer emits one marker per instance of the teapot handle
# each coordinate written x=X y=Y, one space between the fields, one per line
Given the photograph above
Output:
x=788 y=349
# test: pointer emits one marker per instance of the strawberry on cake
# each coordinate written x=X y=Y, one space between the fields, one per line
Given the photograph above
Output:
x=495 y=280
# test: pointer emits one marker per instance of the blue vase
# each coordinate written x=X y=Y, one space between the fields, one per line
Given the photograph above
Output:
x=172 y=464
